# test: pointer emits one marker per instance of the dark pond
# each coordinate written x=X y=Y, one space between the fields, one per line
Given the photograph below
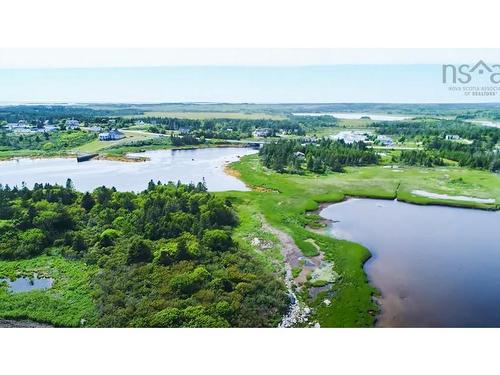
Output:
x=435 y=266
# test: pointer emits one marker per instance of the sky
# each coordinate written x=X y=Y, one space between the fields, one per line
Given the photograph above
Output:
x=235 y=76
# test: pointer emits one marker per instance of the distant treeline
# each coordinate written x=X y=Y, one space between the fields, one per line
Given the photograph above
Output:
x=224 y=128
x=474 y=148
x=472 y=155
x=166 y=257
x=327 y=155
x=466 y=155
x=420 y=157
x=424 y=129
x=185 y=140
x=53 y=113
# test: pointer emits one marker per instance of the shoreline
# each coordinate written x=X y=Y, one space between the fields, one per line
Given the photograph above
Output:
x=122 y=157
x=428 y=202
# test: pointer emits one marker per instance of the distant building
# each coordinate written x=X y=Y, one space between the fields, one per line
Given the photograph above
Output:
x=452 y=137
x=19 y=127
x=263 y=132
x=350 y=136
x=22 y=130
x=309 y=140
x=72 y=124
x=183 y=130
x=94 y=129
x=112 y=135
x=385 y=140
x=48 y=128
x=299 y=154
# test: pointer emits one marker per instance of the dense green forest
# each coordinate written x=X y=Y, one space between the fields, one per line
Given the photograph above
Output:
x=327 y=155
x=54 y=113
x=420 y=158
x=475 y=148
x=474 y=155
x=423 y=129
x=225 y=128
x=165 y=256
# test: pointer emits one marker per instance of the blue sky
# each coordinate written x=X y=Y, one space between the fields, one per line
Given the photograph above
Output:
x=233 y=75
x=262 y=84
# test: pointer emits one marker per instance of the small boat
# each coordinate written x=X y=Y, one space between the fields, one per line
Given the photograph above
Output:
x=85 y=157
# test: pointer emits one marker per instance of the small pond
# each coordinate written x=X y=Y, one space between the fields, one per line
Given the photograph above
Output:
x=27 y=284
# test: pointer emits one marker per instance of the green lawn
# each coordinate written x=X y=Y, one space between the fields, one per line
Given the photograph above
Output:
x=130 y=136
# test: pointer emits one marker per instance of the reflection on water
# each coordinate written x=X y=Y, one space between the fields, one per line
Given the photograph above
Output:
x=435 y=266
x=187 y=166
x=26 y=284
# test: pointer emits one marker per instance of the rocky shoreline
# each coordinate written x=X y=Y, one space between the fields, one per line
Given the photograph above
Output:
x=12 y=323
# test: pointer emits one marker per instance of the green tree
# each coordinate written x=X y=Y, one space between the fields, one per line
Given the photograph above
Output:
x=139 y=250
x=87 y=202
x=217 y=239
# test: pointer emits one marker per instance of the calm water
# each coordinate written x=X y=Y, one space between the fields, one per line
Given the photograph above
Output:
x=490 y=124
x=26 y=284
x=435 y=266
x=164 y=165
x=357 y=116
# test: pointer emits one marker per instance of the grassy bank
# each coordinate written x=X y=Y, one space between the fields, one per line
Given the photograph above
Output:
x=285 y=199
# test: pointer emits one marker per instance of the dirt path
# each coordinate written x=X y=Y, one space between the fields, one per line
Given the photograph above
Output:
x=298 y=312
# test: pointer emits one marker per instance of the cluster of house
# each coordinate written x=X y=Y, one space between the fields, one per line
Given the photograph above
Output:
x=262 y=132
x=22 y=126
x=353 y=136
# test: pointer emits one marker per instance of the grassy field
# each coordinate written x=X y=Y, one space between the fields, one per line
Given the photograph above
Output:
x=214 y=115
x=98 y=146
x=6 y=155
x=66 y=303
x=285 y=199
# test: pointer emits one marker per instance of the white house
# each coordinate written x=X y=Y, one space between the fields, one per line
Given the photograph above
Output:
x=48 y=128
x=299 y=154
x=72 y=124
x=452 y=137
x=19 y=127
x=263 y=132
x=94 y=129
x=350 y=136
x=112 y=135
x=385 y=140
